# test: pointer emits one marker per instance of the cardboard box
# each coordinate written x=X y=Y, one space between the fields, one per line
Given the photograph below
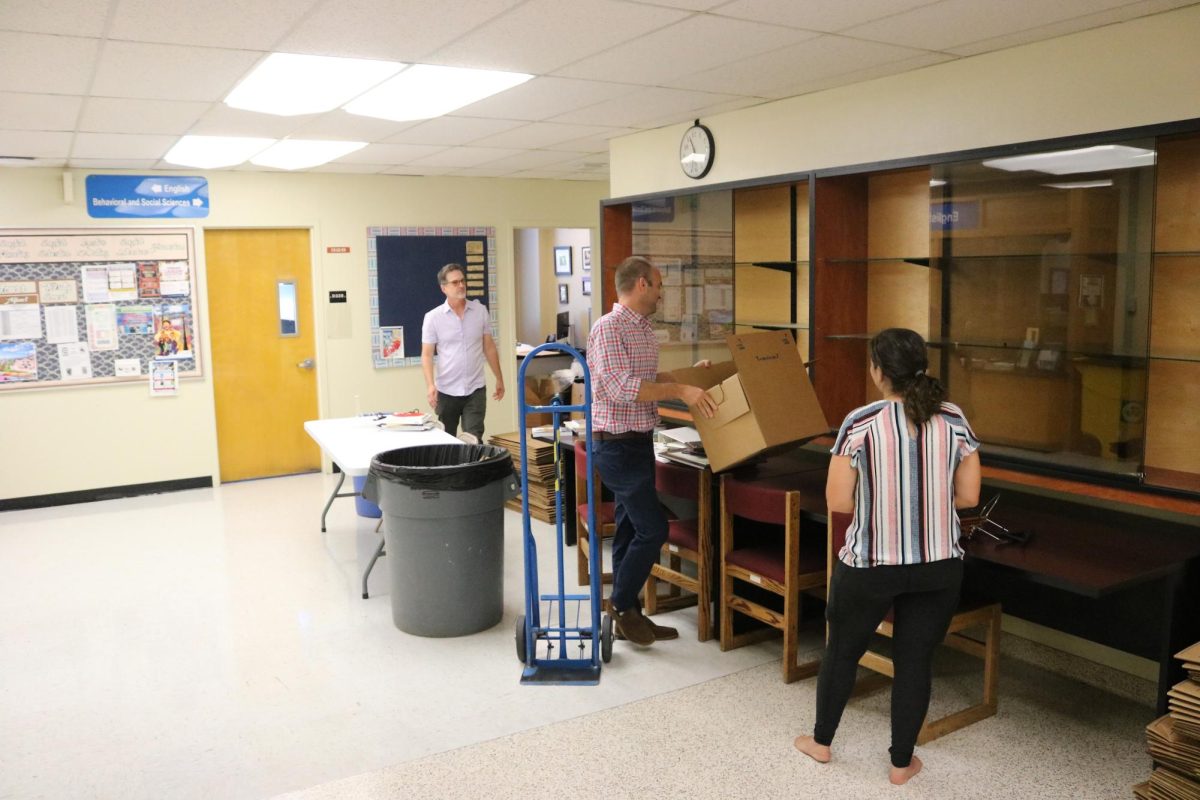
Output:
x=764 y=399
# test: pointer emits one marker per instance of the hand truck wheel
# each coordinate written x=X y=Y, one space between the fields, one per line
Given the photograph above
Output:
x=606 y=639
x=521 y=651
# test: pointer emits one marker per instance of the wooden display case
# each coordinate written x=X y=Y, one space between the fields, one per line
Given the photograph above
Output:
x=1061 y=313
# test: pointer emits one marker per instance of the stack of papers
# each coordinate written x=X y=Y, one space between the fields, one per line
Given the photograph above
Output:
x=1183 y=703
x=681 y=445
x=406 y=421
x=1166 y=784
x=1191 y=661
x=1173 y=749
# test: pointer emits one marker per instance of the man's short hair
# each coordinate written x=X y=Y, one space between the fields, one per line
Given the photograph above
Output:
x=446 y=270
x=628 y=272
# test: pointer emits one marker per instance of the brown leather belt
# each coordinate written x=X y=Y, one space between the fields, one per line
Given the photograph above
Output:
x=605 y=436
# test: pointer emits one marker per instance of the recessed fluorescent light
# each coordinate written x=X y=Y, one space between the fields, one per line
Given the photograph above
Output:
x=936 y=182
x=1086 y=159
x=211 y=152
x=17 y=161
x=424 y=91
x=303 y=153
x=1079 y=184
x=287 y=84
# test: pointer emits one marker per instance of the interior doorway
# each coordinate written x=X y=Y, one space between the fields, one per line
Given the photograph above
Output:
x=261 y=328
x=554 y=270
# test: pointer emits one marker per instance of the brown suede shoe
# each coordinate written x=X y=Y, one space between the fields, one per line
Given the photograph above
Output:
x=631 y=625
x=661 y=632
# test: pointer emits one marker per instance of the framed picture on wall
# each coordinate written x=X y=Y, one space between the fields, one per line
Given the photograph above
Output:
x=562 y=261
x=586 y=287
x=564 y=295
x=585 y=258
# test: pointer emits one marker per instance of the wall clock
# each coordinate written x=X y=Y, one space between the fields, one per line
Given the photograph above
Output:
x=696 y=151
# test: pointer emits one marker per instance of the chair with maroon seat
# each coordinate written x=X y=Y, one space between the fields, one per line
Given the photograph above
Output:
x=688 y=540
x=605 y=517
x=969 y=615
x=773 y=558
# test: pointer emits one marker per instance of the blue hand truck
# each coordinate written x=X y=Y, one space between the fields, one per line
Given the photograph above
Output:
x=543 y=641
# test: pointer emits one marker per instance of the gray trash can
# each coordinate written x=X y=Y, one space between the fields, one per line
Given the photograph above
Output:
x=443 y=526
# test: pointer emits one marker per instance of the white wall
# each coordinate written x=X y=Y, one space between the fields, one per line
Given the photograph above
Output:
x=1136 y=73
x=78 y=438
x=527 y=260
x=578 y=305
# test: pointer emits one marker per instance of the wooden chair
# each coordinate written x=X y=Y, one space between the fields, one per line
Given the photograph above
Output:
x=778 y=562
x=605 y=517
x=688 y=540
x=969 y=615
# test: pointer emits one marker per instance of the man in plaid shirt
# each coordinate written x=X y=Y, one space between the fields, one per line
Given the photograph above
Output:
x=622 y=356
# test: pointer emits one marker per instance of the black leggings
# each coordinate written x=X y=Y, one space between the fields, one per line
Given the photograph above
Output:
x=924 y=598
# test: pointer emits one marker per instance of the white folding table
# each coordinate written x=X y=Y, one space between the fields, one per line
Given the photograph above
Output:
x=351 y=443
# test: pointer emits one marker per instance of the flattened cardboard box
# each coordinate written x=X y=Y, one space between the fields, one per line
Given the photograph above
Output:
x=764 y=399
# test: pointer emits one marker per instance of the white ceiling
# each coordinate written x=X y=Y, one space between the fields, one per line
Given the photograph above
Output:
x=113 y=83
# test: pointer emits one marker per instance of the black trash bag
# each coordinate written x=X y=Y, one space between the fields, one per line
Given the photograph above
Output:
x=444 y=467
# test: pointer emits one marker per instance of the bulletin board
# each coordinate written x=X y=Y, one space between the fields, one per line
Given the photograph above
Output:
x=402 y=268
x=95 y=305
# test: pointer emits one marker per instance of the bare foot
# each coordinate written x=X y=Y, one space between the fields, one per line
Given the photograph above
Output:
x=901 y=775
x=817 y=752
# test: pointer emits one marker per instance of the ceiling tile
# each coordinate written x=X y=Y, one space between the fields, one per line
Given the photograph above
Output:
x=694 y=45
x=481 y=172
x=464 y=156
x=817 y=15
x=65 y=17
x=122 y=115
x=528 y=159
x=212 y=23
x=546 y=97
x=38 y=112
x=39 y=144
x=690 y=5
x=1073 y=25
x=34 y=63
x=542 y=134
x=592 y=144
x=448 y=131
x=338 y=124
x=417 y=171
x=341 y=166
x=944 y=25
x=120 y=163
x=389 y=154
x=633 y=110
x=222 y=120
x=396 y=30
x=121 y=145
x=817 y=84
x=779 y=73
x=170 y=72
x=542 y=35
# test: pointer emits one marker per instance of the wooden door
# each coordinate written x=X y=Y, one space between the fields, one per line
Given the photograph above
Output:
x=264 y=372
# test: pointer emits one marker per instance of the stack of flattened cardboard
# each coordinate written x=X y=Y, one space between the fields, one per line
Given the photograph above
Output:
x=1174 y=740
x=541 y=474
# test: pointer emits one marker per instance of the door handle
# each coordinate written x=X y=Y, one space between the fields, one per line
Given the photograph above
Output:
x=306 y=364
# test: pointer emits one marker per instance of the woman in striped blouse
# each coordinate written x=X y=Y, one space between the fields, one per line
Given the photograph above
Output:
x=902 y=465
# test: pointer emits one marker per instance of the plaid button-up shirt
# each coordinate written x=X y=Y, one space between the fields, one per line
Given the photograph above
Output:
x=621 y=353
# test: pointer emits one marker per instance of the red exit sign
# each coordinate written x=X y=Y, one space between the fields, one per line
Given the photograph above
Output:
x=337 y=249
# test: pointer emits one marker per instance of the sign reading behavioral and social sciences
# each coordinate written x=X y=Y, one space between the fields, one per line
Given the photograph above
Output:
x=146 y=196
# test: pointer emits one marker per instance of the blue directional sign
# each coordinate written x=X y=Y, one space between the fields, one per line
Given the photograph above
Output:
x=146 y=196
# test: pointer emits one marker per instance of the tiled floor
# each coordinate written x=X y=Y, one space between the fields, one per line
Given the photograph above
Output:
x=213 y=644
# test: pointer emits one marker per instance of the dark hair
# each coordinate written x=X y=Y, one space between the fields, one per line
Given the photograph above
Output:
x=900 y=355
x=444 y=272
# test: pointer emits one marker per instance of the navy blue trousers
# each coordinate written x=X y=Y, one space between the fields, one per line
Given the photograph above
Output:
x=626 y=467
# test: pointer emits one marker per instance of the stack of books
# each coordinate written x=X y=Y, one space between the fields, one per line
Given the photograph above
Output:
x=541 y=474
x=1174 y=740
x=406 y=421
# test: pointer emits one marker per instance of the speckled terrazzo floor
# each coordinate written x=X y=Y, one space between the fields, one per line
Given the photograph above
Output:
x=731 y=738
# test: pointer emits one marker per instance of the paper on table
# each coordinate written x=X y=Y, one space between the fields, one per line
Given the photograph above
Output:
x=683 y=435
